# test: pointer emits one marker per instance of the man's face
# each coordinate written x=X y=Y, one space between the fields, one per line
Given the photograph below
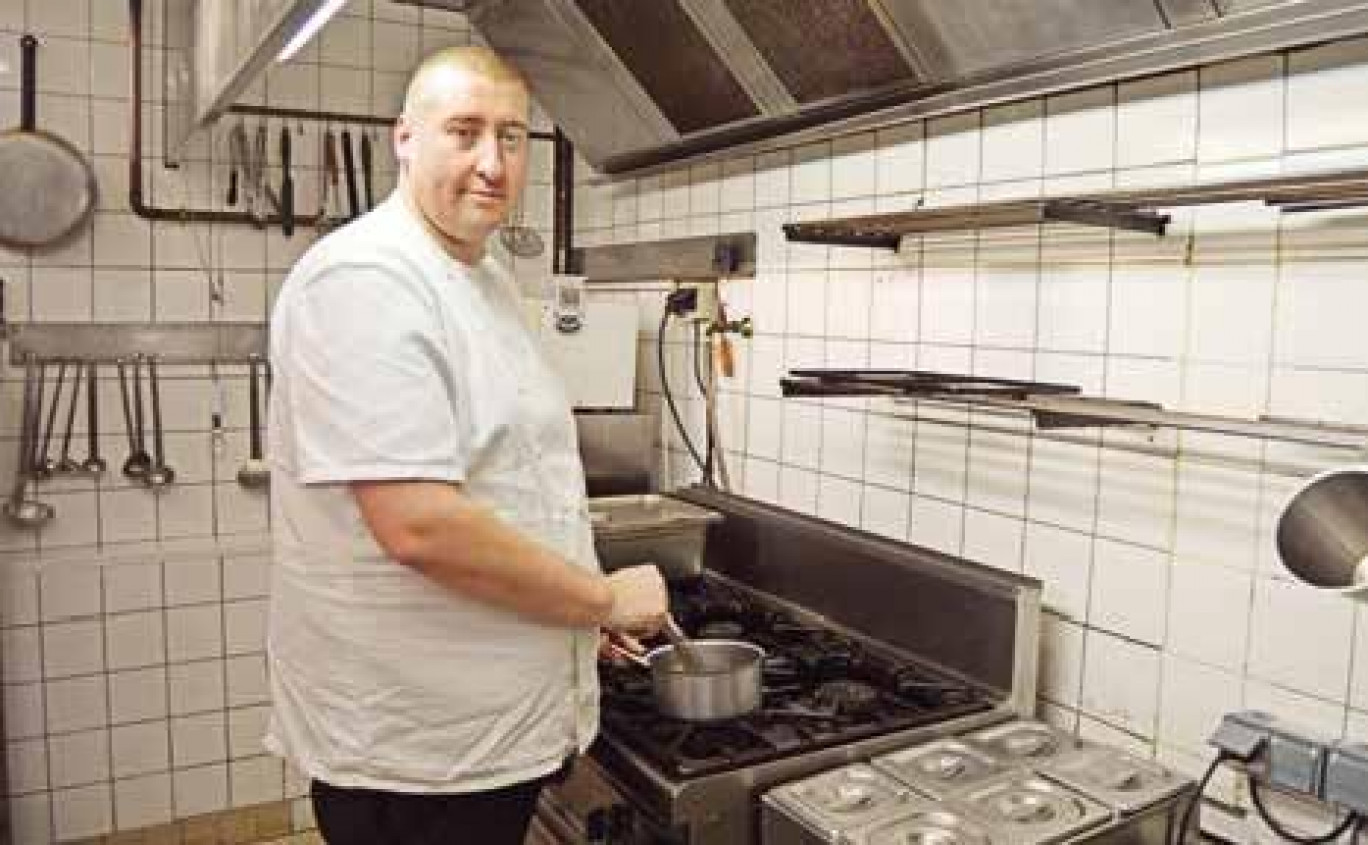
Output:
x=465 y=153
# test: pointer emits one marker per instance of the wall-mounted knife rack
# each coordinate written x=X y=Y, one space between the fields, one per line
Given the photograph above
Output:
x=1057 y=406
x=170 y=343
x=139 y=204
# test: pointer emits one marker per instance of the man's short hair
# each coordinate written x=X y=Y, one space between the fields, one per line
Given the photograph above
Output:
x=474 y=59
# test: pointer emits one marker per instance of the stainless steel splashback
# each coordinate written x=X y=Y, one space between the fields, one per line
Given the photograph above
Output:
x=981 y=623
x=645 y=86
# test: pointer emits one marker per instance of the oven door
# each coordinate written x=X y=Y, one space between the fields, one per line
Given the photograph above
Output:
x=586 y=809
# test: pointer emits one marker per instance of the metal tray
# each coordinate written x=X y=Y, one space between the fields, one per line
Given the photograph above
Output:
x=614 y=517
x=668 y=532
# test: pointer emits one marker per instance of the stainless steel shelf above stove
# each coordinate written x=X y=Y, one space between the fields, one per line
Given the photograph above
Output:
x=1136 y=210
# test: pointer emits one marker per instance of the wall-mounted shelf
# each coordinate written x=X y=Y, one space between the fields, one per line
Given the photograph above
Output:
x=887 y=230
x=1056 y=406
x=706 y=257
x=1130 y=210
x=169 y=343
x=914 y=384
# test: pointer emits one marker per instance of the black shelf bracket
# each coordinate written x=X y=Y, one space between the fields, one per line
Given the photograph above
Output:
x=1105 y=215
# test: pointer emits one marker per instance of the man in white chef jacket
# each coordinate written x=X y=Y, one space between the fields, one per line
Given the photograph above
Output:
x=436 y=603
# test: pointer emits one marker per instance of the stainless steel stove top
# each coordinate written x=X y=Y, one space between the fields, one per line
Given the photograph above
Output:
x=822 y=687
x=874 y=645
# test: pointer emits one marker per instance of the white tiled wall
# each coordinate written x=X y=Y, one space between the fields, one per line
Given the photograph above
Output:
x=132 y=625
x=1165 y=603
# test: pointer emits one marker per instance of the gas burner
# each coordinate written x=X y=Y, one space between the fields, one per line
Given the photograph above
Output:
x=829 y=662
x=940 y=768
x=1032 y=808
x=915 y=685
x=930 y=827
x=704 y=742
x=720 y=629
x=781 y=675
x=848 y=698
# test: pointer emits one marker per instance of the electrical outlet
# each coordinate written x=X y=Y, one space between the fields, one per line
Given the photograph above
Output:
x=701 y=302
x=1239 y=793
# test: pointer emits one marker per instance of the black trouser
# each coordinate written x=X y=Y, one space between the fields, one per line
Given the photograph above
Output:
x=371 y=817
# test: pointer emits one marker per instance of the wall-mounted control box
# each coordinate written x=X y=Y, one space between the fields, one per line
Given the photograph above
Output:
x=1346 y=777
x=1288 y=756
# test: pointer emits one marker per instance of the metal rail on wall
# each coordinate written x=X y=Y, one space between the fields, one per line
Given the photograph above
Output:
x=339 y=117
x=59 y=361
x=170 y=343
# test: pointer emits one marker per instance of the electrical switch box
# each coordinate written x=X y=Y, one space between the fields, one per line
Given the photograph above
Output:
x=1296 y=762
x=1242 y=735
x=1346 y=777
x=1278 y=752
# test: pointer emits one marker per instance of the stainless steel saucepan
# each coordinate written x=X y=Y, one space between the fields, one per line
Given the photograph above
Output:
x=720 y=680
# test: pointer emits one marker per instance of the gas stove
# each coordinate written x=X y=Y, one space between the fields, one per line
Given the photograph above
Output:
x=872 y=645
x=821 y=687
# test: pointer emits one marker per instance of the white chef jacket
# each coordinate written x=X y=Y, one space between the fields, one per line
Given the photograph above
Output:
x=391 y=360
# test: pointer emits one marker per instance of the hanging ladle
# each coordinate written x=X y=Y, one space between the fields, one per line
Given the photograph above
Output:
x=94 y=465
x=67 y=465
x=138 y=461
x=28 y=513
x=254 y=474
x=44 y=465
x=521 y=241
x=158 y=474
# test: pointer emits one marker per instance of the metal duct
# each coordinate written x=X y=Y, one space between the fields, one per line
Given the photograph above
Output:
x=644 y=86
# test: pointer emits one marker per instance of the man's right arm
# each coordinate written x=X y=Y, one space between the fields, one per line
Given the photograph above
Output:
x=438 y=530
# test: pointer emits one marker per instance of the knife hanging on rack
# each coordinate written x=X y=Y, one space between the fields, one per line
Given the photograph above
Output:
x=237 y=161
x=327 y=182
x=287 y=221
x=349 y=166
x=256 y=177
x=366 y=169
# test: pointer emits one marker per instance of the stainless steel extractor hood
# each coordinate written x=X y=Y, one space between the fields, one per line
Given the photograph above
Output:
x=641 y=85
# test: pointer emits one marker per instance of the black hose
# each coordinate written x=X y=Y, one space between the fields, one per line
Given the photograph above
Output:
x=703 y=389
x=1277 y=827
x=1196 y=799
x=665 y=389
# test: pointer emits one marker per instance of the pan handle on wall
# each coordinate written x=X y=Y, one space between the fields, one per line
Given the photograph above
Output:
x=28 y=75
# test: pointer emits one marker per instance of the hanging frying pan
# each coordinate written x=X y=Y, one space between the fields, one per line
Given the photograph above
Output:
x=49 y=186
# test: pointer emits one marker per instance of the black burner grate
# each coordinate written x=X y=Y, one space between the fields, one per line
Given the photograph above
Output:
x=821 y=689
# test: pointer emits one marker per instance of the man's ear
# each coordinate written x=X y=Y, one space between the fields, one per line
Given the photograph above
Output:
x=403 y=138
